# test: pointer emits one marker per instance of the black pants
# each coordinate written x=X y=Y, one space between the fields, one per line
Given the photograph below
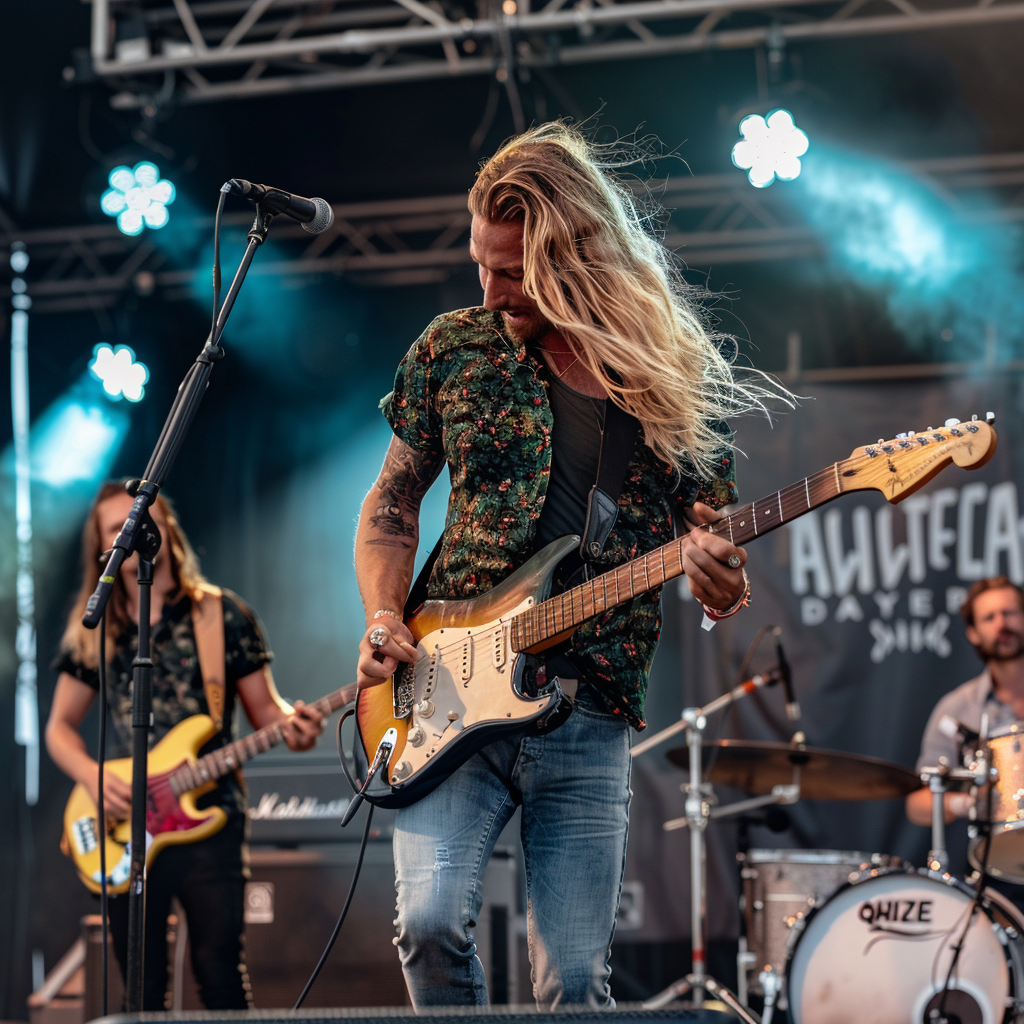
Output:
x=209 y=881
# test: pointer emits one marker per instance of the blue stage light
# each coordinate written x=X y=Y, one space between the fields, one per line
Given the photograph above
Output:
x=769 y=148
x=120 y=374
x=138 y=197
x=75 y=442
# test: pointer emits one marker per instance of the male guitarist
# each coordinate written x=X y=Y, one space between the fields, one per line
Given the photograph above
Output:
x=208 y=876
x=582 y=311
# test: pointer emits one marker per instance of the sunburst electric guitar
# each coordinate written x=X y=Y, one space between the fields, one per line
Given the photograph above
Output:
x=176 y=778
x=475 y=678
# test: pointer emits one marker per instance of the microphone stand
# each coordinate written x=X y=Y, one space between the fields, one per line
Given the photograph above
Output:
x=139 y=533
x=698 y=813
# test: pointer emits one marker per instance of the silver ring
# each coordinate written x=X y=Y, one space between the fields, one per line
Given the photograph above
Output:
x=735 y=561
x=379 y=637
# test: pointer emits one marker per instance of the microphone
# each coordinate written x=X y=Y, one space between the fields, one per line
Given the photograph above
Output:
x=792 y=705
x=315 y=215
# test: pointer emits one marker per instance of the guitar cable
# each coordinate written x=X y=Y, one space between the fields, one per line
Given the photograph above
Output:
x=101 y=824
x=348 y=899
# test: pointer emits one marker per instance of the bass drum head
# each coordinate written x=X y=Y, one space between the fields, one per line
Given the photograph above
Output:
x=879 y=950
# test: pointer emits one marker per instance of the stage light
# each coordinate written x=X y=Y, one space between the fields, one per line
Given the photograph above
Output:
x=138 y=197
x=121 y=375
x=75 y=443
x=769 y=148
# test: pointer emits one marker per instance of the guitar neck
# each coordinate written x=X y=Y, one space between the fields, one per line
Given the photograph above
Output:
x=223 y=760
x=568 y=610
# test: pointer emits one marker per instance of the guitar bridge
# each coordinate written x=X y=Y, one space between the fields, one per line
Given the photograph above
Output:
x=404 y=695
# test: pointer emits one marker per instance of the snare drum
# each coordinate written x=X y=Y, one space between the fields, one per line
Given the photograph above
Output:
x=1006 y=855
x=879 y=949
x=780 y=887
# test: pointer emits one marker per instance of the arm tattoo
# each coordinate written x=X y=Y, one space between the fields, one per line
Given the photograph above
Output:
x=403 y=481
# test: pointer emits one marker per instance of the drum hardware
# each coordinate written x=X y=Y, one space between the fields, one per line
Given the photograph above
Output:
x=698 y=814
x=771 y=986
x=937 y=780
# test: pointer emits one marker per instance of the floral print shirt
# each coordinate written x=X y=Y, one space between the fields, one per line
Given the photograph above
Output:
x=468 y=395
x=177 y=682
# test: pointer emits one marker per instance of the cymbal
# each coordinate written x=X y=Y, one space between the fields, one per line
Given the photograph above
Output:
x=823 y=774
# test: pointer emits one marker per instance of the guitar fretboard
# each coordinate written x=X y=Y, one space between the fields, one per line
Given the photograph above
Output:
x=565 y=612
x=226 y=759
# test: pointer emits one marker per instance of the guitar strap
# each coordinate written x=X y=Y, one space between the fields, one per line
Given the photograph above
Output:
x=208 y=627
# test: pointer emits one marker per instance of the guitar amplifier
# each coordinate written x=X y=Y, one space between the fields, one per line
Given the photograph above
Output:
x=297 y=800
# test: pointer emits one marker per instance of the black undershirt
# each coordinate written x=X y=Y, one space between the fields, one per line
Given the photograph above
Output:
x=575 y=459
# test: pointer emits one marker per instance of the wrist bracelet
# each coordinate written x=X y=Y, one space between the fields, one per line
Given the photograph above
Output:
x=380 y=612
x=744 y=599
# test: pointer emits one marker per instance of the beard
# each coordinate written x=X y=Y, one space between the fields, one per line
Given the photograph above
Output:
x=1008 y=646
x=526 y=329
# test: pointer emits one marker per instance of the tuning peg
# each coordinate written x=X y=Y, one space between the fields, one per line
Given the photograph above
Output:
x=903 y=434
x=990 y=418
x=881 y=440
x=952 y=422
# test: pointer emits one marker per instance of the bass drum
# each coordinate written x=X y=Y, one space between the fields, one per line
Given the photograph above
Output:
x=878 y=951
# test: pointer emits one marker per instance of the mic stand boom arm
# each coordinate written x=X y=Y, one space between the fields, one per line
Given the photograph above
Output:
x=139 y=533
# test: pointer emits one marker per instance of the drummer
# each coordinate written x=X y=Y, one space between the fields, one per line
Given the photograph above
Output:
x=994 y=613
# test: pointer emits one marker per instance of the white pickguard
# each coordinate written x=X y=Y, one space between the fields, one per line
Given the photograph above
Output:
x=463 y=677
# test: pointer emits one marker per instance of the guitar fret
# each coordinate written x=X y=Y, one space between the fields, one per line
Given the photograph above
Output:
x=807 y=491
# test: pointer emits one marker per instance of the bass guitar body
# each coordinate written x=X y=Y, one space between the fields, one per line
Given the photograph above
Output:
x=467 y=686
x=170 y=818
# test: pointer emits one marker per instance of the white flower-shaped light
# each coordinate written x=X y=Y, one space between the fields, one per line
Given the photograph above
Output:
x=770 y=148
x=121 y=376
x=138 y=197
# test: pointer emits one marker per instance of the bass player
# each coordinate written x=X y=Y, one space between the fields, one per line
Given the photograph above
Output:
x=208 y=876
x=582 y=310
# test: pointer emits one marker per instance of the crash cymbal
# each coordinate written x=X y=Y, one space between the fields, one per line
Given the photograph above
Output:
x=757 y=767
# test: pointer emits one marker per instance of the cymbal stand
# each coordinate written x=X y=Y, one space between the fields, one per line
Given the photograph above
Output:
x=698 y=813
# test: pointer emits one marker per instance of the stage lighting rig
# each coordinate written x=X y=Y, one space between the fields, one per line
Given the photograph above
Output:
x=138 y=197
x=120 y=374
x=770 y=147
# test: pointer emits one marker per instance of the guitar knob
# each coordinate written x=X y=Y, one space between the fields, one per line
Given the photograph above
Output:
x=425 y=708
x=401 y=770
x=416 y=736
x=952 y=422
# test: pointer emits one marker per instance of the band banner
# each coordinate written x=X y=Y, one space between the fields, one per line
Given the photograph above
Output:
x=867 y=595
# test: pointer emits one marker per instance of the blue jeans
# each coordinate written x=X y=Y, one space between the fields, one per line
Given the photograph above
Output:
x=573 y=785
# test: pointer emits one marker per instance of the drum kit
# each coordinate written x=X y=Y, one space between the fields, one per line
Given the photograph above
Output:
x=838 y=937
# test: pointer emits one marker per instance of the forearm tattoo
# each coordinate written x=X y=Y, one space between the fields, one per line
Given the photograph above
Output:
x=404 y=480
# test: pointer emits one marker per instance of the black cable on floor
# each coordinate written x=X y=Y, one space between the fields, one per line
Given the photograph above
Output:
x=344 y=912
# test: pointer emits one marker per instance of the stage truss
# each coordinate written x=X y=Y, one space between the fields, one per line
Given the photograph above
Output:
x=715 y=220
x=197 y=51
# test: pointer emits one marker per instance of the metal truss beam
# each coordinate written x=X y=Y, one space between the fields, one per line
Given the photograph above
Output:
x=199 y=51
x=715 y=220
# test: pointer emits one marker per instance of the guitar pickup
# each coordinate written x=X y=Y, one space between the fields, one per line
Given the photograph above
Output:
x=501 y=645
x=83 y=834
x=467 y=660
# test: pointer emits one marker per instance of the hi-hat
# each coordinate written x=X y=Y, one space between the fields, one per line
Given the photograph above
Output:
x=758 y=767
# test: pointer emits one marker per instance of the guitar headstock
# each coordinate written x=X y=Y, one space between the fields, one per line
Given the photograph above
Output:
x=907 y=462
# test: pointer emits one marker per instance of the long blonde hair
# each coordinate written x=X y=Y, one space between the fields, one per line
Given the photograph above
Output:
x=614 y=292
x=80 y=642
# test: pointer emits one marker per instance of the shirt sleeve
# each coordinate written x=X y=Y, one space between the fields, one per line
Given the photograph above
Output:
x=411 y=408
x=720 y=489
x=940 y=737
x=64 y=662
x=245 y=646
